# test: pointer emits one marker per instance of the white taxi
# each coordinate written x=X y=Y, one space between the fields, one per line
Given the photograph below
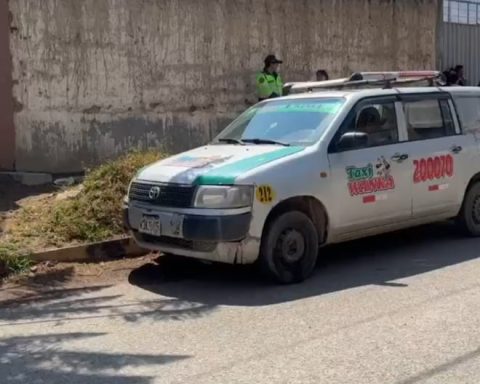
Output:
x=322 y=166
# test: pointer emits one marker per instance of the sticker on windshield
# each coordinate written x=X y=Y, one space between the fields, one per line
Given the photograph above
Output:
x=370 y=178
x=265 y=194
x=322 y=107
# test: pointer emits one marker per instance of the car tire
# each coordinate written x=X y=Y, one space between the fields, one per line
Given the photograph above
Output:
x=289 y=248
x=469 y=217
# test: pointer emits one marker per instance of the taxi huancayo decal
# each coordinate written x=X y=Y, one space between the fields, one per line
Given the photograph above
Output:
x=370 y=179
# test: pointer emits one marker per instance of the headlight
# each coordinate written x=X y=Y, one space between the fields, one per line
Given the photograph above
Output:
x=224 y=197
x=127 y=197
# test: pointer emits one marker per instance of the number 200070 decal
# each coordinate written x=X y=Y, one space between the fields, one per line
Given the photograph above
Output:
x=433 y=168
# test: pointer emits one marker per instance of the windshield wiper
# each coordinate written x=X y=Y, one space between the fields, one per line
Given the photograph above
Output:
x=231 y=141
x=265 y=141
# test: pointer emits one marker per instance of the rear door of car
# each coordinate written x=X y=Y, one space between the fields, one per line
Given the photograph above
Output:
x=438 y=151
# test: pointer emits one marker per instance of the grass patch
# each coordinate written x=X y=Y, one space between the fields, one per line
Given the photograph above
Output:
x=12 y=260
x=92 y=214
x=96 y=213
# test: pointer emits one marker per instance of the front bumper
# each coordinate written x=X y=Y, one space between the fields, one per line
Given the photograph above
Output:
x=222 y=238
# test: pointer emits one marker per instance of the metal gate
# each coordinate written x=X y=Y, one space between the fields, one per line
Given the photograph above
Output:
x=459 y=38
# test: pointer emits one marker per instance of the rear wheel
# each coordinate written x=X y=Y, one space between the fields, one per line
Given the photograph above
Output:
x=469 y=217
x=289 y=248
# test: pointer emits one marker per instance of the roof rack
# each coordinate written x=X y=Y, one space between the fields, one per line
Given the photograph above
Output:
x=369 y=80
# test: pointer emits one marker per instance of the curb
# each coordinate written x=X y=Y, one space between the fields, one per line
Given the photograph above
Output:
x=29 y=178
x=93 y=252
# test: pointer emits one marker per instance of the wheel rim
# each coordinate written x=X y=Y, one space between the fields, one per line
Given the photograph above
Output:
x=476 y=210
x=291 y=246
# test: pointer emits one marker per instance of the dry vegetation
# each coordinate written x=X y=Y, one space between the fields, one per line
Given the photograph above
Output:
x=86 y=213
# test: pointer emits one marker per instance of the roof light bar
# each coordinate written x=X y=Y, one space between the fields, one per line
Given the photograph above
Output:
x=357 y=80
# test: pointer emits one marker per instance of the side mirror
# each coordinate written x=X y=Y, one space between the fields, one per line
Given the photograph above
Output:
x=352 y=140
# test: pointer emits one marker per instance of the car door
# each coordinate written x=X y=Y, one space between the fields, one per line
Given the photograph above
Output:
x=371 y=183
x=439 y=154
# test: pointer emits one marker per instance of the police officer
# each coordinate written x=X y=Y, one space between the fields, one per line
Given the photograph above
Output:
x=269 y=82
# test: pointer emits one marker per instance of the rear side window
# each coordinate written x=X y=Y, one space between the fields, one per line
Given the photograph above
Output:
x=469 y=112
x=428 y=119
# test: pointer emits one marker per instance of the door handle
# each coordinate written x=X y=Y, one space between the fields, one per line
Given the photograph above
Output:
x=456 y=149
x=399 y=157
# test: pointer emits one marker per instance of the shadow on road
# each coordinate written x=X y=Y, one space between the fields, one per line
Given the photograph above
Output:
x=41 y=283
x=442 y=368
x=44 y=298
x=380 y=260
x=41 y=359
x=61 y=305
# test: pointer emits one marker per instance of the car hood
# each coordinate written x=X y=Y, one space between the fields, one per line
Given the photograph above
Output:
x=213 y=164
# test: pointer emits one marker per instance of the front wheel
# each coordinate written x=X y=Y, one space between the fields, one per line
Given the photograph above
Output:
x=469 y=217
x=289 y=248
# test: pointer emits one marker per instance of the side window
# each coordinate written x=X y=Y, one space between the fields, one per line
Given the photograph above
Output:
x=378 y=120
x=428 y=119
x=469 y=112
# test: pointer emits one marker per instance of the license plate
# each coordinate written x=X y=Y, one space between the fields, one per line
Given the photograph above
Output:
x=151 y=225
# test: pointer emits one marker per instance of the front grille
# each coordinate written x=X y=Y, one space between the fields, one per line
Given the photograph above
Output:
x=170 y=195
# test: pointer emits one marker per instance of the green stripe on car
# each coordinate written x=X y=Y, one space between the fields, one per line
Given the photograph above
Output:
x=226 y=175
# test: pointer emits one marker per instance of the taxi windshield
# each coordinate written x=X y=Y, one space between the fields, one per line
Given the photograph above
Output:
x=298 y=122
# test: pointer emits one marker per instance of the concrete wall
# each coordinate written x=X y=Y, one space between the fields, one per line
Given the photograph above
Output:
x=7 y=128
x=94 y=78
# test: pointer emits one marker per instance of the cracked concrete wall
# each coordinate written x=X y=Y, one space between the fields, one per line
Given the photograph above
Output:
x=95 y=78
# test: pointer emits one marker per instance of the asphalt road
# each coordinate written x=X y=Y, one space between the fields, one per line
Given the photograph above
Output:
x=401 y=308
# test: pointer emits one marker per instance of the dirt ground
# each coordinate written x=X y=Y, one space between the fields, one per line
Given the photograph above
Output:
x=14 y=195
x=17 y=199
x=47 y=277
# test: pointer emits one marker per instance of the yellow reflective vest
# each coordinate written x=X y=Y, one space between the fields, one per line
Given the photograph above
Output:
x=269 y=85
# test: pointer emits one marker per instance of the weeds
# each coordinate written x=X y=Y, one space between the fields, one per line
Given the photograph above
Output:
x=12 y=260
x=94 y=214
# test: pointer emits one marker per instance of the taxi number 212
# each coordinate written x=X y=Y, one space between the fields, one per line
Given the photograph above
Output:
x=432 y=168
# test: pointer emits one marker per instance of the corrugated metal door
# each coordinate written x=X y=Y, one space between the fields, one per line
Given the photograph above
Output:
x=460 y=38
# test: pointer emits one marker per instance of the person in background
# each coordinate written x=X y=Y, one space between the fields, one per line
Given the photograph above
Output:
x=322 y=75
x=455 y=76
x=357 y=76
x=450 y=77
x=269 y=82
x=460 y=75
